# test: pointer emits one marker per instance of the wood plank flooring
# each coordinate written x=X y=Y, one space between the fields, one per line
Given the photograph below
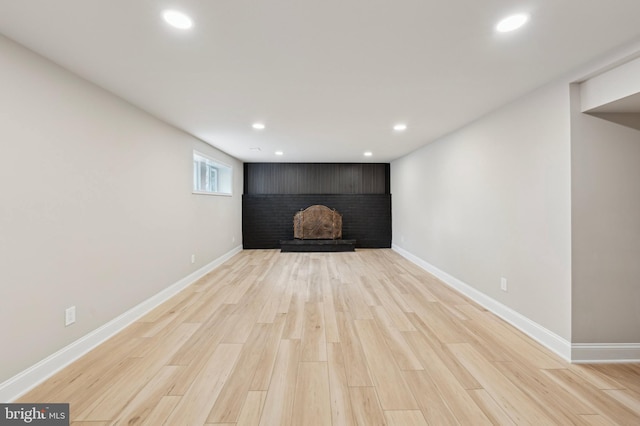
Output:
x=357 y=338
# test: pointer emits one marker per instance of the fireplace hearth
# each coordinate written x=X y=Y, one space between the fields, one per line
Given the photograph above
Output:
x=317 y=228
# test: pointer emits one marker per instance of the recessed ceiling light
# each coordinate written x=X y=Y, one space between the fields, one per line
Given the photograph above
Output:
x=400 y=127
x=177 y=19
x=255 y=148
x=258 y=126
x=368 y=154
x=511 y=23
x=279 y=153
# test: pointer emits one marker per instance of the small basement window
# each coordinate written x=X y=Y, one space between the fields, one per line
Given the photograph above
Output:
x=210 y=176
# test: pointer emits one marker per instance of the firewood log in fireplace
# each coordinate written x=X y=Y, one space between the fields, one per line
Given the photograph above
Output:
x=317 y=223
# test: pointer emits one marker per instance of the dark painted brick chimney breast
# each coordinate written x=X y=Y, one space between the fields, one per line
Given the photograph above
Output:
x=360 y=192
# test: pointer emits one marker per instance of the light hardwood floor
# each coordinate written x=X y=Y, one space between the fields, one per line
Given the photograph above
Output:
x=303 y=339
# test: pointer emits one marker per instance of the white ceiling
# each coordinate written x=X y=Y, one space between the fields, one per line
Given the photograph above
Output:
x=328 y=78
x=630 y=104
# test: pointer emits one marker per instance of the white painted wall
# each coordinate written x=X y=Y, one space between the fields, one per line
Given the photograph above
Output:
x=492 y=200
x=613 y=85
x=96 y=208
x=605 y=161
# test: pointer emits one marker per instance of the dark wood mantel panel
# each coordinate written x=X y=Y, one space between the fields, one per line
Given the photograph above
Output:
x=316 y=178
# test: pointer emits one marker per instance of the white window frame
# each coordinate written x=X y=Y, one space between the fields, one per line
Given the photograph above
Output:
x=222 y=174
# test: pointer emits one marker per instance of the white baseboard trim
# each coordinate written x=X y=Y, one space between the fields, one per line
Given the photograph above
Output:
x=601 y=353
x=24 y=381
x=545 y=337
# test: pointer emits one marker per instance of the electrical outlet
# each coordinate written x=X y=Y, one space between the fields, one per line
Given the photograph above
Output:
x=503 y=284
x=69 y=316
x=233 y=239
x=193 y=258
